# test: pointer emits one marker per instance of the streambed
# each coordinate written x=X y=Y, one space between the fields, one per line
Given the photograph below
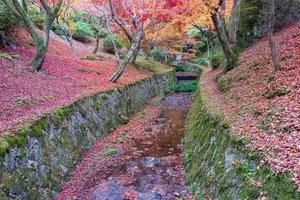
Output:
x=140 y=160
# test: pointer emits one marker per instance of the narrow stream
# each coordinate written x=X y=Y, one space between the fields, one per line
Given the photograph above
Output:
x=154 y=175
x=154 y=170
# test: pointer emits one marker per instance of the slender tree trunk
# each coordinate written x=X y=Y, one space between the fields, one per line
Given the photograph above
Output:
x=233 y=22
x=134 y=47
x=41 y=46
x=38 y=60
x=208 y=53
x=135 y=53
x=97 y=42
x=228 y=52
x=272 y=42
x=221 y=13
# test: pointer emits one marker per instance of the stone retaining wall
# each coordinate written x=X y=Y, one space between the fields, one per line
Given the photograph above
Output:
x=35 y=163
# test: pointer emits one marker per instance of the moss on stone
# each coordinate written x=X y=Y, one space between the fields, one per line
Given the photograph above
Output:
x=16 y=140
x=24 y=128
x=96 y=103
x=206 y=144
x=59 y=114
x=4 y=146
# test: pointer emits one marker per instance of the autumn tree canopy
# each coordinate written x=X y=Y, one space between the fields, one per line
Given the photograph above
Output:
x=133 y=18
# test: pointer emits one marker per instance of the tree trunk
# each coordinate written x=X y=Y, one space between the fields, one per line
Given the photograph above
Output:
x=97 y=42
x=233 y=22
x=228 y=52
x=41 y=46
x=208 y=53
x=135 y=53
x=134 y=48
x=272 y=42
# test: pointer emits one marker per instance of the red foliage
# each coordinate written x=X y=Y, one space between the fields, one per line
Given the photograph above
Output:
x=265 y=105
x=146 y=12
x=25 y=95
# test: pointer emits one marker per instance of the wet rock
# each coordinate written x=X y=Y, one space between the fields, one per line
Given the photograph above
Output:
x=148 y=129
x=160 y=120
x=149 y=162
x=152 y=196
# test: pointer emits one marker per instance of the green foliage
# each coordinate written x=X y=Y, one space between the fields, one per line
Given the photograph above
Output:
x=157 y=54
x=280 y=91
x=108 y=44
x=60 y=29
x=189 y=68
x=4 y=145
x=217 y=57
x=36 y=16
x=152 y=65
x=103 y=33
x=78 y=16
x=111 y=152
x=6 y=56
x=7 y=20
x=83 y=31
x=250 y=13
x=186 y=87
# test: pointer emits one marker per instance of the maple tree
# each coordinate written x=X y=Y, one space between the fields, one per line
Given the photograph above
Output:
x=133 y=18
x=20 y=11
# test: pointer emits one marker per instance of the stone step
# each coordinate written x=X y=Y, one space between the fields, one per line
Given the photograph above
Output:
x=186 y=76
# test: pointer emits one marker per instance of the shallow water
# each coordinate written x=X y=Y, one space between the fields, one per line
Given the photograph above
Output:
x=157 y=172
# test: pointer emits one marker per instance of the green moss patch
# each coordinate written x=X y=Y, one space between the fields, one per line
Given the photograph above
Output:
x=280 y=91
x=186 y=87
x=6 y=56
x=152 y=65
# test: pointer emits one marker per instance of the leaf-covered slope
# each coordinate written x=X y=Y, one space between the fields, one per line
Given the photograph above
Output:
x=264 y=106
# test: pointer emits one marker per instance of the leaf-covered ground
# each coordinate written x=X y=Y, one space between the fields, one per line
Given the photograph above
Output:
x=264 y=106
x=65 y=77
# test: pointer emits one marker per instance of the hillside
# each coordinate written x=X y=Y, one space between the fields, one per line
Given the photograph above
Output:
x=64 y=78
x=262 y=106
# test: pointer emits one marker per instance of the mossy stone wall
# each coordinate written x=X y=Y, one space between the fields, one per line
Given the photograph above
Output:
x=35 y=163
x=219 y=166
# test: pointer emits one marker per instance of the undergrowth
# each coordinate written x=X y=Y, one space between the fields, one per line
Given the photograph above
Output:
x=186 y=87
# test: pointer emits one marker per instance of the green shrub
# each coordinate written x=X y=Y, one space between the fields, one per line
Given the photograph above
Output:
x=83 y=31
x=189 y=68
x=59 y=29
x=103 y=33
x=36 y=16
x=108 y=45
x=7 y=20
x=217 y=57
x=186 y=87
x=78 y=16
x=157 y=54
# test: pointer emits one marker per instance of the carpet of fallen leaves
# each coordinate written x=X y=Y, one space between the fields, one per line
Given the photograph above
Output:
x=65 y=77
x=143 y=141
x=271 y=122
